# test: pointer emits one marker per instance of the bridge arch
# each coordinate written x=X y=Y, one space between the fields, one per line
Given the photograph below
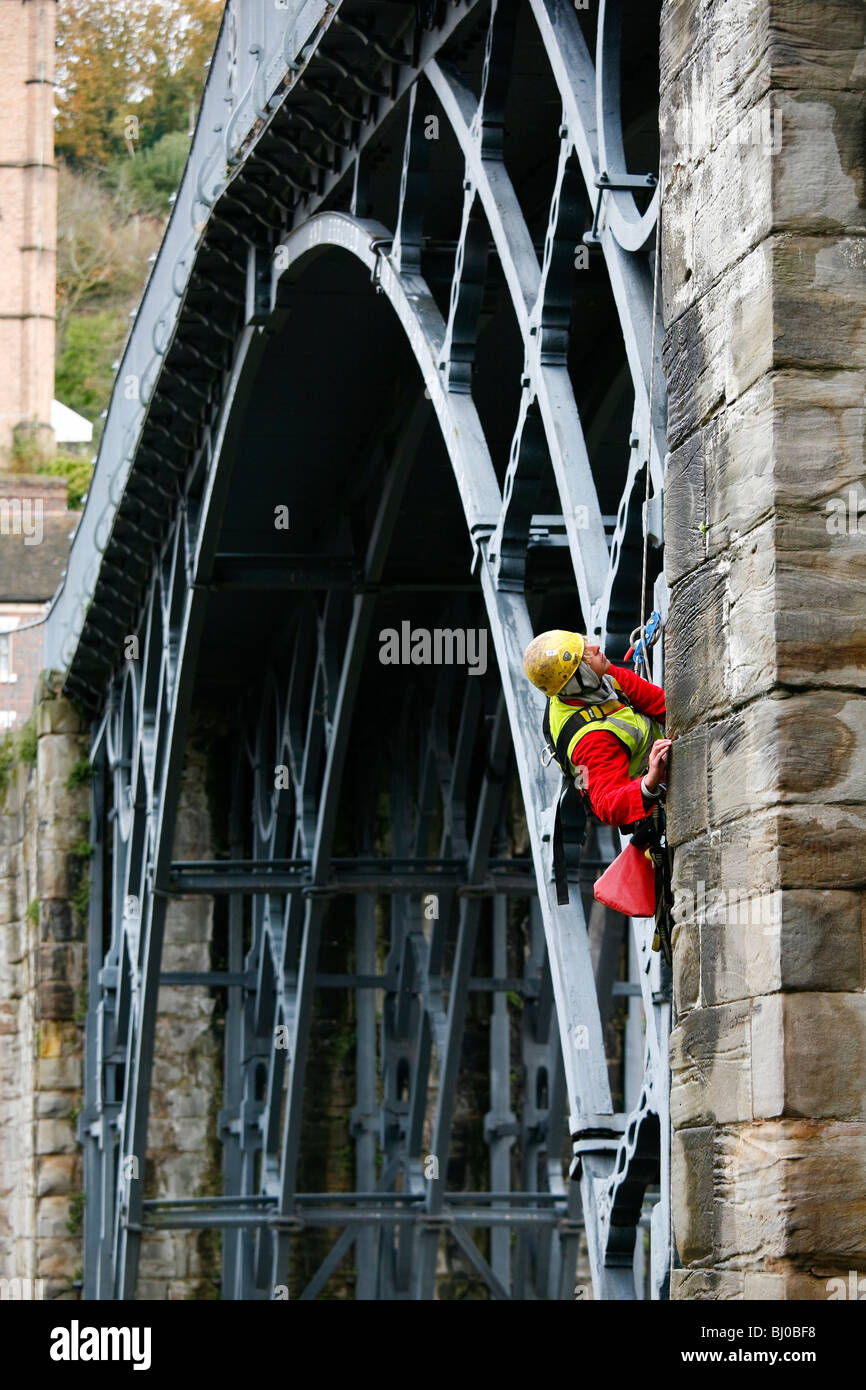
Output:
x=290 y=873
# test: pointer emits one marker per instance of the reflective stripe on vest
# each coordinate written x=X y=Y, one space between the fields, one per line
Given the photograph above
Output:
x=637 y=731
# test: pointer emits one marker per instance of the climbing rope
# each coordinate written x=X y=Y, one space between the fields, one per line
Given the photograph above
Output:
x=639 y=631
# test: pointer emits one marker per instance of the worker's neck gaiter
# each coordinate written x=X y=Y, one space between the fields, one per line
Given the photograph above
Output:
x=586 y=686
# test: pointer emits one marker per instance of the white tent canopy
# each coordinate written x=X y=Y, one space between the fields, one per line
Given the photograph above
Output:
x=68 y=426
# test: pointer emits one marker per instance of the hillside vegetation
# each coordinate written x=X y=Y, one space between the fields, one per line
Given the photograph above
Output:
x=128 y=82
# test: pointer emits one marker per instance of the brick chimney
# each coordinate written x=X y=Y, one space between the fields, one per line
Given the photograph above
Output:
x=28 y=218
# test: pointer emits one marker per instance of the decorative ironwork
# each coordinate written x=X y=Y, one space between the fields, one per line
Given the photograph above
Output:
x=282 y=171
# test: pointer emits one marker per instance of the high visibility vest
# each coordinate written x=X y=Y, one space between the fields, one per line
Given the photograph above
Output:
x=637 y=731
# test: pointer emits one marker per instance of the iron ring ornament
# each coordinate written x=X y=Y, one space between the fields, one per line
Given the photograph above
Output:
x=304 y=158
x=631 y=228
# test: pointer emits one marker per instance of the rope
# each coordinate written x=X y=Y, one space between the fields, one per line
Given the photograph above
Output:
x=652 y=382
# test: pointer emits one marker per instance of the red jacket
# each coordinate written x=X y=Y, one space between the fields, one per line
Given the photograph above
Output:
x=615 y=797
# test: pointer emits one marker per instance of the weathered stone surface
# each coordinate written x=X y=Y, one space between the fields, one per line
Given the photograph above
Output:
x=53 y=1104
x=746 y=1194
x=788 y=163
x=711 y=1285
x=795 y=301
x=794 y=847
x=54 y=1137
x=693 y=656
x=753 y=942
x=9 y=901
x=58 y=922
x=718 y=209
x=58 y=716
x=693 y=1192
x=820 y=601
x=54 y=1000
x=58 y=1175
x=52 y=1217
x=686 y=967
x=801 y=749
x=810 y=1051
x=708 y=33
x=734 y=49
x=753 y=1285
x=822 y=944
x=63 y=1073
x=52 y=879
x=685 y=506
x=687 y=805
x=720 y=345
x=57 y=1256
x=792 y=441
x=710 y=1054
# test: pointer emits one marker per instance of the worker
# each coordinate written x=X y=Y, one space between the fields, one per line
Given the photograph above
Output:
x=604 y=723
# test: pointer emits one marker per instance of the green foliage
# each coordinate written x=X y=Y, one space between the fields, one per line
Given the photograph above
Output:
x=33 y=912
x=7 y=759
x=79 y=1013
x=27 y=742
x=72 y=1117
x=343 y=1043
x=146 y=180
x=80 y=774
x=26 y=454
x=76 y=1213
x=128 y=74
x=84 y=374
x=80 y=899
x=77 y=471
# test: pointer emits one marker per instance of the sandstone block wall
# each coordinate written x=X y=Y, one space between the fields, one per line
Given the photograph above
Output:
x=764 y=281
x=43 y=836
x=44 y=868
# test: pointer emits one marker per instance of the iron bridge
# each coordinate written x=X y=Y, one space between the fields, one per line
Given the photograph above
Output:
x=394 y=371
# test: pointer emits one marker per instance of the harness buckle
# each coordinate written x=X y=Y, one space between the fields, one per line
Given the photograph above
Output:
x=551 y=754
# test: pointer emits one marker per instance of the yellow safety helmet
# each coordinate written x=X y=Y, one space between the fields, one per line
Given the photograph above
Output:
x=552 y=658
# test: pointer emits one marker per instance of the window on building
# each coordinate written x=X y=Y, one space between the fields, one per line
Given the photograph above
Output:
x=5 y=656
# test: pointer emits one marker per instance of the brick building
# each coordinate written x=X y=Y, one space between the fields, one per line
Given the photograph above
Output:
x=35 y=528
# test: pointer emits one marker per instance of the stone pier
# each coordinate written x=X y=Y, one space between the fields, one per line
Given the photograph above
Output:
x=764 y=283
x=44 y=892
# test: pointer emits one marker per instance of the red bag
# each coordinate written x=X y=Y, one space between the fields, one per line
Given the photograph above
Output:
x=629 y=884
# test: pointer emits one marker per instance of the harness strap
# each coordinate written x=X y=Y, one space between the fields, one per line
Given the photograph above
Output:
x=566 y=733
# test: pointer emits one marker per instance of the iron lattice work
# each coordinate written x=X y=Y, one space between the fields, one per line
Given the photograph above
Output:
x=407 y=288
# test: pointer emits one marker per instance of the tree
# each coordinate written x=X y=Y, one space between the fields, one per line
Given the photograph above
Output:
x=102 y=251
x=147 y=181
x=127 y=74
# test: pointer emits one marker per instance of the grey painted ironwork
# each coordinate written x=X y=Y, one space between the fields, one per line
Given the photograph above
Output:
x=251 y=218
